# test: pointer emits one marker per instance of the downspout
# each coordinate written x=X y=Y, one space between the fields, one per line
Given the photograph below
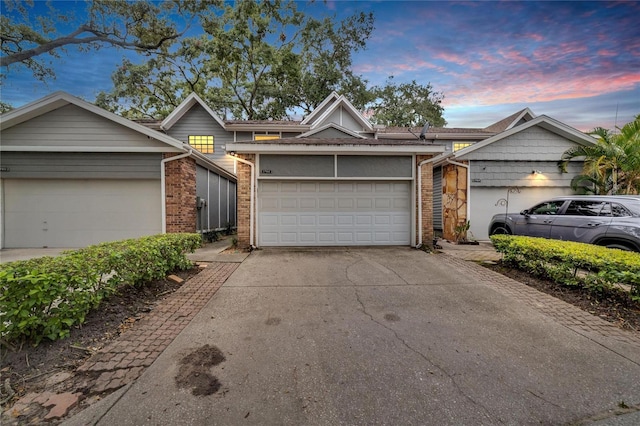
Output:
x=468 y=167
x=251 y=205
x=420 y=164
x=163 y=190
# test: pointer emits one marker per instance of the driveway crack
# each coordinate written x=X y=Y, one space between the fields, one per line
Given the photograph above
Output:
x=424 y=357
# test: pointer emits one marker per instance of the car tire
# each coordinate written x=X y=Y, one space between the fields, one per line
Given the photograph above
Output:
x=500 y=230
x=619 y=246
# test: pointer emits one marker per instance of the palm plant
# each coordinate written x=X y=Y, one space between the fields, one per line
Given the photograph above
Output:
x=612 y=165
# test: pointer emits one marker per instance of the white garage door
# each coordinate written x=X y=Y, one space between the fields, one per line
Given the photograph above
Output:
x=334 y=213
x=76 y=213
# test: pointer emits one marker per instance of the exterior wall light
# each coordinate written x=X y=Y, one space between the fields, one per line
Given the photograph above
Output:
x=536 y=172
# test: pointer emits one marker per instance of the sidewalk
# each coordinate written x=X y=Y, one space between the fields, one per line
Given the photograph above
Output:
x=124 y=360
x=484 y=251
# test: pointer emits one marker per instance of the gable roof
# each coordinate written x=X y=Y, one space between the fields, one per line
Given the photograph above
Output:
x=511 y=121
x=331 y=126
x=334 y=103
x=543 y=121
x=60 y=99
x=317 y=111
x=184 y=107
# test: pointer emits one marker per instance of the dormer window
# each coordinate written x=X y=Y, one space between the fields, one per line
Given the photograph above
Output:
x=204 y=144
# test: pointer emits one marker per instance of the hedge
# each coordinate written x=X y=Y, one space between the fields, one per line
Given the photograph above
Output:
x=571 y=263
x=45 y=297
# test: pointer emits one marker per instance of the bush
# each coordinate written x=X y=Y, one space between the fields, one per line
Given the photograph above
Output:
x=45 y=297
x=570 y=263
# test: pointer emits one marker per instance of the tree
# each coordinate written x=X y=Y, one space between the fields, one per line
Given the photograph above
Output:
x=145 y=26
x=407 y=105
x=5 y=107
x=255 y=60
x=612 y=165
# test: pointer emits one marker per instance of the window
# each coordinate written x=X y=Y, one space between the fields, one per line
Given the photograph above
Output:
x=265 y=137
x=550 y=207
x=619 y=211
x=204 y=144
x=459 y=145
x=584 y=208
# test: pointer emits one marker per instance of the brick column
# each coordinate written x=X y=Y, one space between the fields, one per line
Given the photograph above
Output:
x=180 y=195
x=243 y=172
x=427 y=201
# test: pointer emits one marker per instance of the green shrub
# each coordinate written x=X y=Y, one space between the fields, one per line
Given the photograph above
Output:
x=570 y=263
x=45 y=297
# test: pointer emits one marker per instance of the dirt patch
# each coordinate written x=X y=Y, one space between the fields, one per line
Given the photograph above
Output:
x=613 y=306
x=194 y=372
x=27 y=367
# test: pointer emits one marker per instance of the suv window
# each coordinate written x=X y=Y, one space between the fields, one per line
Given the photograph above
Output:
x=619 y=210
x=549 y=207
x=584 y=208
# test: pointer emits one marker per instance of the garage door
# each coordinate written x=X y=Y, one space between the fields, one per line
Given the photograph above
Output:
x=333 y=213
x=76 y=213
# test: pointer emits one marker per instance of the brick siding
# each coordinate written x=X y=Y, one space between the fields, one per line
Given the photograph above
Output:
x=180 y=196
x=427 y=201
x=243 y=173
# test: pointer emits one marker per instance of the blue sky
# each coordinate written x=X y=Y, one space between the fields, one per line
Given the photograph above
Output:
x=578 y=62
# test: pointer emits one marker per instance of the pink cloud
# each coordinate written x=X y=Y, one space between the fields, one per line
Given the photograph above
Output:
x=451 y=57
x=539 y=90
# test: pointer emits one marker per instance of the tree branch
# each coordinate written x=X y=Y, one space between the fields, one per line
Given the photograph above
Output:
x=72 y=38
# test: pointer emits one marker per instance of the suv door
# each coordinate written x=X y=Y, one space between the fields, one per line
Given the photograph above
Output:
x=582 y=221
x=536 y=222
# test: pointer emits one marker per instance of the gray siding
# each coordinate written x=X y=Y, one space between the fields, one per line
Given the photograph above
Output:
x=220 y=196
x=518 y=173
x=532 y=144
x=437 y=198
x=342 y=118
x=72 y=126
x=374 y=166
x=297 y=165
x=290 y=134
x=88 y=165
x=244 y=136
x=198 y=122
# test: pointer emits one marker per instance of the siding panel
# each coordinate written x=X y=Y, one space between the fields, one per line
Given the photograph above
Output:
x=198 y=122
x=71 y=126
x=53 y=165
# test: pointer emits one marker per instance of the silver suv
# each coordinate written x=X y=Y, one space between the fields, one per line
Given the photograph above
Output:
x=612 y=220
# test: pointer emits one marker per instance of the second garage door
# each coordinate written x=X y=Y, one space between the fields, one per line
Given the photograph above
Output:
x=79 y=212
x=307 y=213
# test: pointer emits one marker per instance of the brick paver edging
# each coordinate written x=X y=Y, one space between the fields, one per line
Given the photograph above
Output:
x=124 y=360
x=564 y=313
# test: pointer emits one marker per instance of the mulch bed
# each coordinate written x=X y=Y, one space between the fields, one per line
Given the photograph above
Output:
x=26 y=364
x=613 y=306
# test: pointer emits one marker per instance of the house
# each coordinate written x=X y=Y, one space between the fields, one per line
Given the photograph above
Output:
x=336 y=184
x=73 y=174
x=511 y=170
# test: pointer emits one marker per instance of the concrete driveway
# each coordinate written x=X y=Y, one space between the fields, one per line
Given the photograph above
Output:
x=384 y=336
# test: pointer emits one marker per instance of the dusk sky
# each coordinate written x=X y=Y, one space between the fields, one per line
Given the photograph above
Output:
x=578 y=62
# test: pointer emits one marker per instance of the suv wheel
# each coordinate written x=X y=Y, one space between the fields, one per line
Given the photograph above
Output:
x=500 y=230
x=619 y=246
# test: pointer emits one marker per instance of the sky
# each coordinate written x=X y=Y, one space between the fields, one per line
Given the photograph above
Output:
x=578 y=62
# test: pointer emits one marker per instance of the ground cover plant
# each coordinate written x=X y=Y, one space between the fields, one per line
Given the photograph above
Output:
x=44 y=298
x=597 y=269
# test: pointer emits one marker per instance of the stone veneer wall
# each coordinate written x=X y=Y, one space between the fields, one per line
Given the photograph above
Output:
x=180 y=195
